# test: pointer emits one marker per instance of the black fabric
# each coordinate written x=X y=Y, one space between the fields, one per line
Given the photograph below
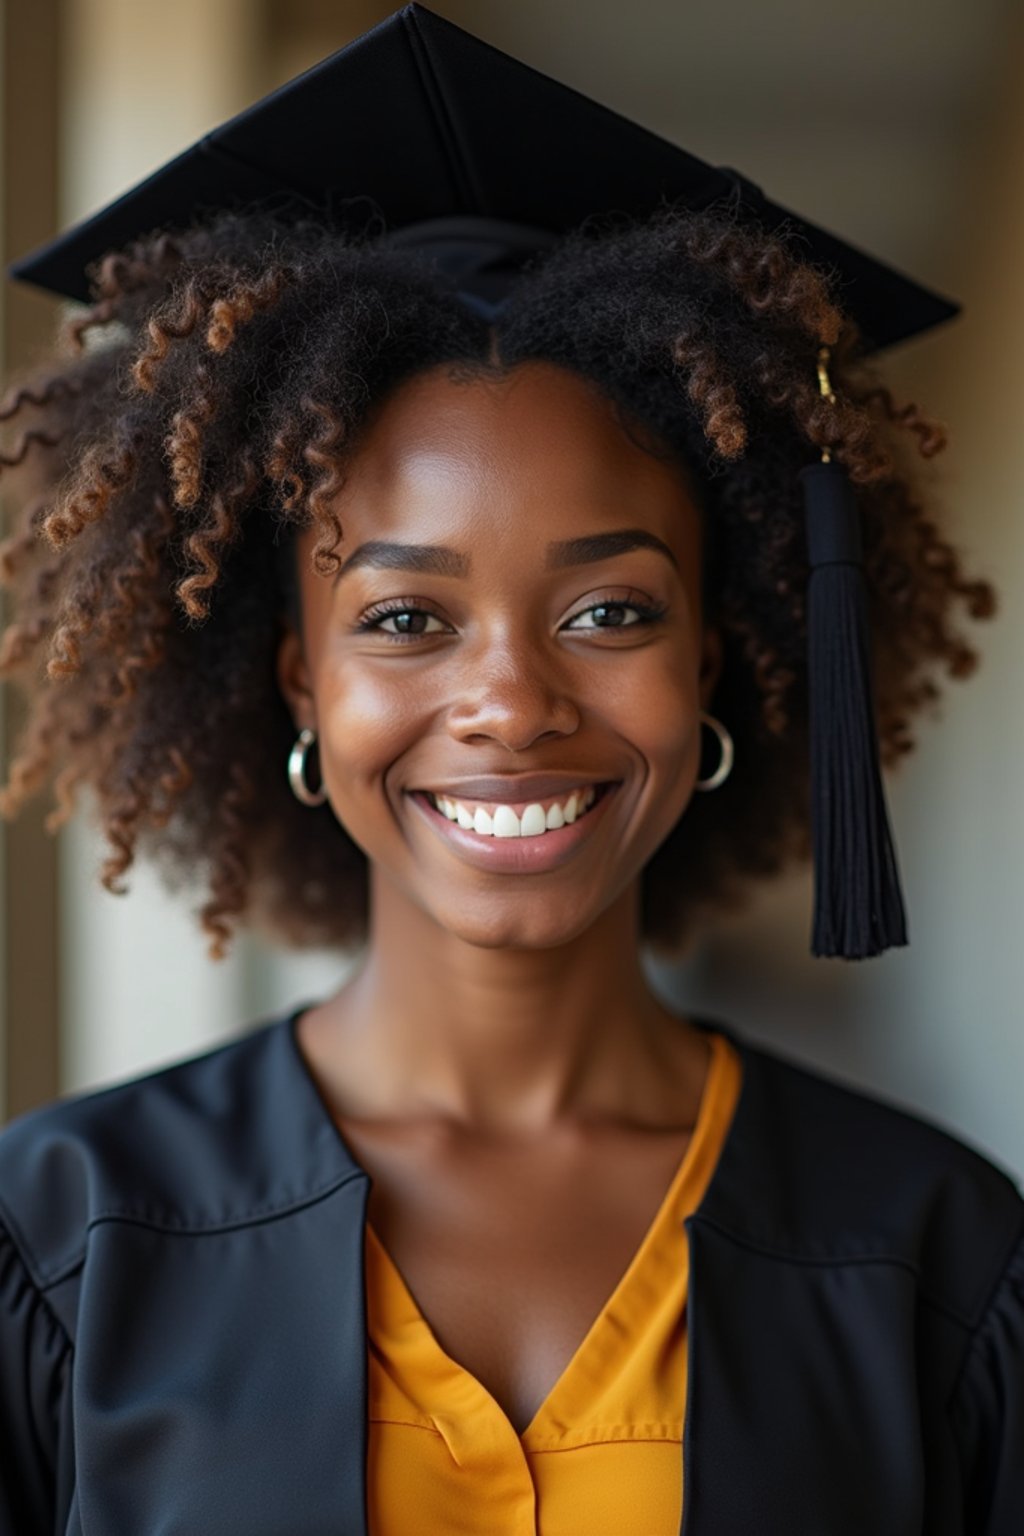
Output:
x=417 y=119
x=479 y=259
x=832 y=518
x=182 y=1313
x=858 y=901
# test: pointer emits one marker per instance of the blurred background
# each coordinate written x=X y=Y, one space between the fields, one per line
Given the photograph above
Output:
x=899 y=126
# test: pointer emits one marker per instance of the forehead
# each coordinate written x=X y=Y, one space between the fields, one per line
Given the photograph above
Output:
x=538 y=443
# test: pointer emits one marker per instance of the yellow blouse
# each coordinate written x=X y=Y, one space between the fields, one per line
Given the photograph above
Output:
x=602 y=1454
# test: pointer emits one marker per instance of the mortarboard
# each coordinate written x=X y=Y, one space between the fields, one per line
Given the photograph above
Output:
x=483 y=160
x=429 y=121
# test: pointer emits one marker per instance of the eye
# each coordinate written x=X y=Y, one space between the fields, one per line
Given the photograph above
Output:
x=405 y=617
x=609 y=614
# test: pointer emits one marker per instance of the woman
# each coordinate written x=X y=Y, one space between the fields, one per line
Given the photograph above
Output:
x=489 y=1240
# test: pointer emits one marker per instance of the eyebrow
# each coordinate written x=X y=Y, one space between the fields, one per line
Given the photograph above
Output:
x=443 y=560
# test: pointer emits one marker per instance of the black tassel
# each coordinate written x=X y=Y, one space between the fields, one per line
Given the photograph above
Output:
x=858 y=906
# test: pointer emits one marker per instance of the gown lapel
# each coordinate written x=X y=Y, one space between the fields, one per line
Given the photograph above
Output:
x=802 y=1410
x=220 y=1378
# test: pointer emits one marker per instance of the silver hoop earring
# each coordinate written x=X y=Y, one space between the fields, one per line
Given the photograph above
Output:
x=297 y=770
x=724 y=768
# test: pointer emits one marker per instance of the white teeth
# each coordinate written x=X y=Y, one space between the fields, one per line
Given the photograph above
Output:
x=534 y=821
x=504 y=821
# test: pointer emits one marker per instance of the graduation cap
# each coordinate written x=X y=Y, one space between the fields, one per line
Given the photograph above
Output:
x=482 y=161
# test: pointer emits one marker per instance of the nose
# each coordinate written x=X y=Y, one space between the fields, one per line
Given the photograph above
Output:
x=515 y=696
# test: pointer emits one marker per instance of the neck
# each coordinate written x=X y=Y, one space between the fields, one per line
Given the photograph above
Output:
x=508 y=1039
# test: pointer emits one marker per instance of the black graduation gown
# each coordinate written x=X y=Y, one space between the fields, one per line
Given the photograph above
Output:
x=182 y=1324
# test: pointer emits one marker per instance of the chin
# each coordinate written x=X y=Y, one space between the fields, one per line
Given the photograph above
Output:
x=513 y=930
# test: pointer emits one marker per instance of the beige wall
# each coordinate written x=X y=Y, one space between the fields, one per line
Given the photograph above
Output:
x=141 y=81
x=884 y=151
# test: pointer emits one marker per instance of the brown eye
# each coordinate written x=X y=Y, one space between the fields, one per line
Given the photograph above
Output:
x=410 y=622
x=407 y=621
x=609 y=615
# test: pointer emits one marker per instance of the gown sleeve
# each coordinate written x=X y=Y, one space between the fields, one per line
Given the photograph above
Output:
x=35 y=1386
x=988 y=1409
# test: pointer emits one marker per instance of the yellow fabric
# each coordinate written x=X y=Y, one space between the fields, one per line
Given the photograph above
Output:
x=603 y=1453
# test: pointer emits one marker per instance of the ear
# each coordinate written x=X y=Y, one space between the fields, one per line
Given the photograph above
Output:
x=293 y=676
x=710 y=665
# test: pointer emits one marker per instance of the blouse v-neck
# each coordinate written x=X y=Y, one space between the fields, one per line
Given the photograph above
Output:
x=443 y=1455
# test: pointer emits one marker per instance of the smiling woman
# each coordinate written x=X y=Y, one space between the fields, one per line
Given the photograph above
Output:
x=387 y=577
x=547 y=637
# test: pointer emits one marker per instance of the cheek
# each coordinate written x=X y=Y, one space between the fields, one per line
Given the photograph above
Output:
x=653 y=705
x=656 y=713
x=370 y=717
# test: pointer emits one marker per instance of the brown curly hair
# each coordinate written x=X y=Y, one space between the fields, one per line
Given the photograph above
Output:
x=206 y=405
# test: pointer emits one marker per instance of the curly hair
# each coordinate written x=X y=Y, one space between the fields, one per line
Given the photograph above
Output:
x=205 y=406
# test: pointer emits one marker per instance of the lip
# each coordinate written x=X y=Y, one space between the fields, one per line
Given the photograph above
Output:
x=516 y=855
x=510 y=788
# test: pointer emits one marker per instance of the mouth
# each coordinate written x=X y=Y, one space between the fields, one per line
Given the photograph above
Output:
x=525 y=818
x=525 y=851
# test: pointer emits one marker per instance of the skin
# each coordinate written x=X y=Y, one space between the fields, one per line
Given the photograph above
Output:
x=498 y=1062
